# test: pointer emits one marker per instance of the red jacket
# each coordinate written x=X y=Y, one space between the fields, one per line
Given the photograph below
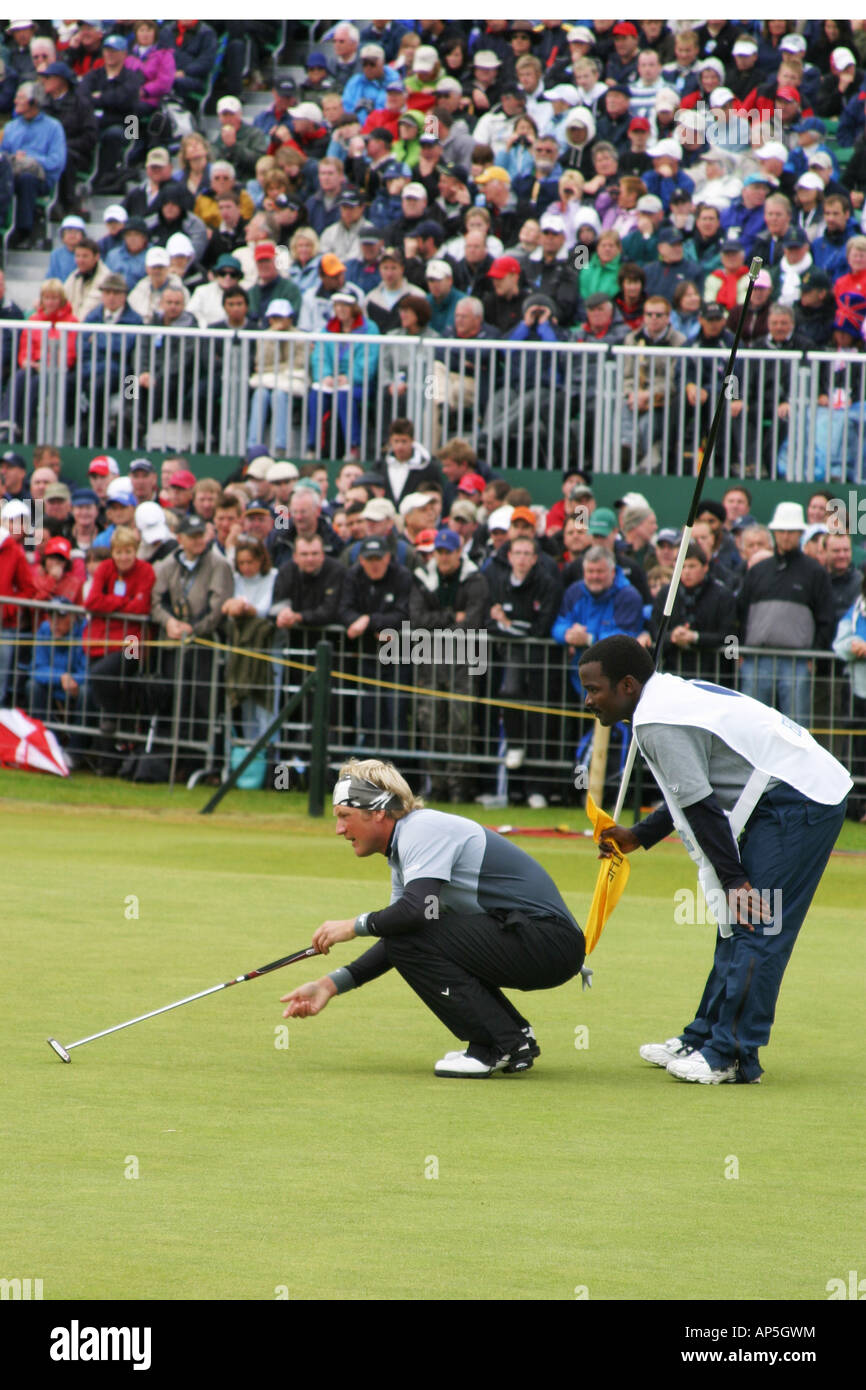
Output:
x=728 y=284
x=105 y=632
x=30 y=342
x=14 y=577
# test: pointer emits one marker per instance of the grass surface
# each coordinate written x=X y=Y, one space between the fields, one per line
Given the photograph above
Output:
x=338 y=1166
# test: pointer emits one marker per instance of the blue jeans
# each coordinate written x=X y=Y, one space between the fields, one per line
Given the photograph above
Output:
x=782 y=682
x=263 y=402
x=344 y=400
x=784 y=849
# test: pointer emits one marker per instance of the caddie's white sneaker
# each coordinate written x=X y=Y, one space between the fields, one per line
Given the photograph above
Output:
x=697 y=1068
x=662 y=1053
x=460 y=1064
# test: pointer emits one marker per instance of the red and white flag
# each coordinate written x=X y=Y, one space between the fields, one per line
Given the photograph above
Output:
x=26 y=743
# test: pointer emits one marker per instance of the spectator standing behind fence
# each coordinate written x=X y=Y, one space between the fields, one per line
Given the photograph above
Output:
x=785 y=602
x=15 y=581
x=600 y=604
x=449 y=595
x=703 y=621
x=33 y=349
x=308 y=587
x=121 y=590
x=524 y=600
x=250 y=682
x=850 y=645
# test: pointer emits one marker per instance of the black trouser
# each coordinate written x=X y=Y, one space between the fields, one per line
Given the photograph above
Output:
x=459 y=966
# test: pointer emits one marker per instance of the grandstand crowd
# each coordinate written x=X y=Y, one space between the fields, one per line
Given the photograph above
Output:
x=603 y=182
x=418 y=545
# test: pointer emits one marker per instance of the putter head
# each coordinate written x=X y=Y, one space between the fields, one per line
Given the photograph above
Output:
x=61 y=1051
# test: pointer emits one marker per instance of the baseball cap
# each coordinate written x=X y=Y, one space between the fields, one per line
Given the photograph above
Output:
x=157 y=255
x=425 y=541
x=842 y=58
x=136 y=224
x=639 y=123
x=808 y=180
x=713 y=310
x=720 y=97
x=649 y=202
x=414 y=500
x=595 y=301
x=552 y=222
x=446 y=539
x=374 y=548
x=752 y=179
x=231 y=104
x=347 y=295
x=120 y=498
x=316 y=60
x=812 y=124
x=504 y=265
x=624 y=29
x=159 y=155
x=500 y=519
x=730 y=243
x=524 y=514
x=471 y=483
x=430 y=228
x=793 y=43
x=182 y=478
x=141 y=466
x=372 y=50
x=151 y=523
x=393 y=169
x=563 y=91
x=259 y=467
x=104 y=466
x=820 y=159
x=414 y=190
x=795 y=236
x=815 y=279
x=368 y=233
x=286 y=87
x=788 y=94
x=283 y=471
x=57 y=492
x=73 y=221
x=192 y=525
x=438 y=270
x=307 y=111
x=59 y=545
x=331 y=264
x=426 y=58
x=447 y=85
x=379 y=509
x=601 y=522
x=279 y=308
x=13 y=460
x=350 y=198
x=486 y=58
x=816 y=529
x=84 y=497
x=669 y=236
x=744 y=47
x=179 y=244
x=666 y=149
x=668 y=536
x=763 y=281
x=115 y=41
x=774 y=149
x=115 y=212
x=13 y=509
x=579 y=33
x=265 y=251
x=227 y=262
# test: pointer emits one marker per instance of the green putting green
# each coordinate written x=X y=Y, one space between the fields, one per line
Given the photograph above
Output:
x=217 y=1153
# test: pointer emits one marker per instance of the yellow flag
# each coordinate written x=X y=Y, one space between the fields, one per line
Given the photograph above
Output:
x=612 y=877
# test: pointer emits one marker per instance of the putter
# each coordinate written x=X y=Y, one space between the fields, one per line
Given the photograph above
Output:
x=63 y=1052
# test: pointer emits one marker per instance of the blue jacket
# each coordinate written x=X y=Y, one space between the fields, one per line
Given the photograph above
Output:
x=62 y=263
x=332 y=359
x=850 y=122
x=51 y=662
x=828 y=253
x=747 y=223
x=664 y=188
x=43 y=138
x=102 y=353
x=617 y=609
x=130 y=267
x=360 y=93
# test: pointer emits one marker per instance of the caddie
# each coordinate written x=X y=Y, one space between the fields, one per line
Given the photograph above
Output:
x=758 y=805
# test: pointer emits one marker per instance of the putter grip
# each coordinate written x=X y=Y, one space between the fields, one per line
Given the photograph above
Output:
x=755 y=268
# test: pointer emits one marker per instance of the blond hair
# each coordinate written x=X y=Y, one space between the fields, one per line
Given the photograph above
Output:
x=386 y=776
x=124 y=538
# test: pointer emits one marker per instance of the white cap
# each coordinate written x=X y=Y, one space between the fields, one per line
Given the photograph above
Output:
x=13 y=509
x=816 y=529
x=230 y=104
x=578 y=33
x=379 y=509
x=307 y=111
x=151 y=523
x=157 y=255
x=500 y=520
x=649 y=202
x=744 y=47
x=820 y=160
x=372 y=50
x=717 y=67
x=666 y=149
x=842 y=58
x=115 y=212
x=552 y=222
x=119 y=487
x=279 y=308
x=666 y=99
x=113 y=465
x=788 y=516
x=447 y=84
x=634 y=499
x=414 y=190
x=438 y=270
x=563 y=92
x=808 y=180
x=260 y=467
x=283 y=471
x=415 y=500
x=589 y=217
x=425 y=58
x=486 y=58
x=773 y=150
x=73 y=221
x=793 y=43
x=720 y=97
x=179 y=244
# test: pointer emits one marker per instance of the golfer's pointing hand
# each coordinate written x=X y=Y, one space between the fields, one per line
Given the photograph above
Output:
x=329 y=933
x=619 y=837
x=308 y=1000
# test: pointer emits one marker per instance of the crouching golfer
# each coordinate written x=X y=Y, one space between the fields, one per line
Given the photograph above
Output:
x=470 y=915
x=758 y=805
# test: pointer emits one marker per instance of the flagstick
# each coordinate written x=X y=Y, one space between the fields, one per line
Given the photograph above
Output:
x=703 y=473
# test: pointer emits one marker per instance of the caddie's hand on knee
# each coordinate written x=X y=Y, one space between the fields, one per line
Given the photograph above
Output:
x=310 y=999
x=617 y=837
x=329 y=933
x=749 y=907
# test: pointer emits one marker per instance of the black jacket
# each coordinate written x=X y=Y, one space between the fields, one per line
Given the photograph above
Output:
x=710 y=609
x=531 y=606
x=386 y=600
x=787 y=602
x=315 y=596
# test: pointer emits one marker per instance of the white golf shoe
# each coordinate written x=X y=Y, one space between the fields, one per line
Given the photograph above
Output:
x=662 y=1053
x=460 y=1064
x=696 y=1068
